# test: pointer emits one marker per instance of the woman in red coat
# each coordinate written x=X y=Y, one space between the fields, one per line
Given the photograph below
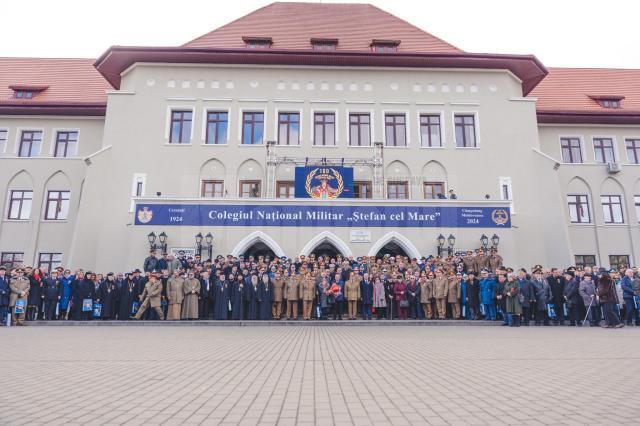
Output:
x=400 y=298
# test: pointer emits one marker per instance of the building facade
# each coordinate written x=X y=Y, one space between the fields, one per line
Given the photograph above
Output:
x=221 y=123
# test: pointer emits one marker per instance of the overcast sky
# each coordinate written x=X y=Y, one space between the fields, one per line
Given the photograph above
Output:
x=569 y=33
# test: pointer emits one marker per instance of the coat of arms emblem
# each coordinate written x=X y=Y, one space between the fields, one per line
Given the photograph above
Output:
x=324 y=182
x=145 y=215
x=500 y=216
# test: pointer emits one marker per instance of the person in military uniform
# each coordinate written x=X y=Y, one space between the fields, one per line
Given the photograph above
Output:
x=151 y=297
x=174 y=296
x=453 y=294
x=19 y=291
x=352 y=294
x=481 y=261
x=426 y=294
x=307 y=294
x=494 y=260
x=440 y=287
x=292 y=291
x=278 y=289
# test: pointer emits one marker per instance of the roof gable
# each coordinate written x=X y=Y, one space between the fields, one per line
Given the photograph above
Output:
x=292 y=26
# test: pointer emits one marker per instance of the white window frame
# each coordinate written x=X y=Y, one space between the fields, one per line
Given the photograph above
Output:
x=54 y=138
x=590 y=209
x=203 y=128
x=277 y=125
x=442 y=128
x=3 y=149
x=336 y=126
x=506 y=181
x=19 y=137
x=407 y=126
x=137 y=177
x=583 y=152
x=614 y=146
x=167 y=127
x=622 y=212
x=45 y=202
x=8 y=204
x=265 y=126
x=372 y=126
x=476 y=122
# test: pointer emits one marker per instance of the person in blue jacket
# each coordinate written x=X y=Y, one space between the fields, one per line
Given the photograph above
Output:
x=66 y=290
x=5 y=292
x=627 y=295
x=487 y=295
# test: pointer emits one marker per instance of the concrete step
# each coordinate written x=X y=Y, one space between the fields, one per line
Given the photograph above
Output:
x=282 y=323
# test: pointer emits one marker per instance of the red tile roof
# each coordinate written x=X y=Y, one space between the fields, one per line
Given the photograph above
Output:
x=573 y=91
x=68 y=84
x=292 y=25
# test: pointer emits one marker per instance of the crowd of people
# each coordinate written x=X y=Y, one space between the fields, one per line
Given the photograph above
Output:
x=470 y=286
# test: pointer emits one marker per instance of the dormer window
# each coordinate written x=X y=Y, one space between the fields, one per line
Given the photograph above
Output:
x=385 y=46
x=612 y=102
x=324 y=43
x=258 y=42
x=26 y=92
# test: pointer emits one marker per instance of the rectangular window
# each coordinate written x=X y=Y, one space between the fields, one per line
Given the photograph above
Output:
x=23 y=94
x=430 y=130
x=252 y=128
x=324 y=129
x=636 y=199
x=217 y=124
x=584 y=260
x=362 y=189
x=612 y=208
x=359 y=129
x=395 y=127
x=618 y=260
x=571 y=150
x=180 y=127
x=49 y=260
x=465 y=130
x=11 y=259
x=324 y=45
x=285 y=189
x=20 y=205
x=3 y=140
x=139 y=186
x=579 y=208
x=633 y=150
x=433 y=190
x=288 y=128
x=384 y=48
x=603 y=148
x=398 y=190
x=212 y=188
x=57 y=205
x=250 y=188
x=30 y=143
x=66 y=144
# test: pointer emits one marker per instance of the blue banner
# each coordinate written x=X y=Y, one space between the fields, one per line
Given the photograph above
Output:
x=324 y=182
x=324 y=216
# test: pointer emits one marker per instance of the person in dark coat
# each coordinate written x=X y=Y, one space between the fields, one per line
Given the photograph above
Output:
x=556 y=282
x=35 y=298
x=527 y=296
x=205 y=300
x=5 y=293
x=221 y=298
x=51 y=294
x=127 y=296
x=388 y=291
x=413 y=297
x=108 y=297
x=84 y=288
x=252 y=295
x=264 y=300
x=473 y=295
x=543 y=297
x=572 y=298
x=366 y=294
x=606 y=291
x=235 y=296
x=501 y=300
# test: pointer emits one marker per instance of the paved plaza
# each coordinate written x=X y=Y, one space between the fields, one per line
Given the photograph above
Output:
x=319 y=375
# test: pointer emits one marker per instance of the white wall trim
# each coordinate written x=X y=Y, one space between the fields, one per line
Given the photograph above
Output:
x=397 y=238
x=254 y=237
x=329 y=237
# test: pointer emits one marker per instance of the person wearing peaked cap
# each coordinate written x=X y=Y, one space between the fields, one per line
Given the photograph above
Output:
x=19 y=286
x=572 y=297
x=151 y=297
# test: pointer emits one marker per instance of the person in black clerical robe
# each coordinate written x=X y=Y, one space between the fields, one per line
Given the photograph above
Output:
x=221 y=299
x=108 y=297
x=237 y=285
x=128 y=295
x=264 y=300
x=253 y=297
x=205 y=301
